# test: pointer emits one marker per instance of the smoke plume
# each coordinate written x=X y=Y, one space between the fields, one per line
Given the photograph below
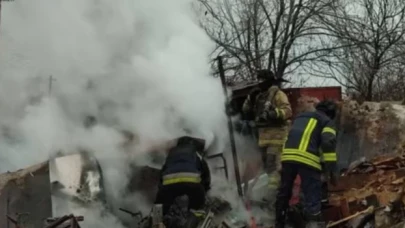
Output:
x=136 y=65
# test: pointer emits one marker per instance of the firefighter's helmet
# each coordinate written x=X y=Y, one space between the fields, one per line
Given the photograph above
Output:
x=328 y=107
x=268 y=75
x=202 y=141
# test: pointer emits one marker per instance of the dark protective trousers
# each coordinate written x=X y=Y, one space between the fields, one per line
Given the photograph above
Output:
x=168 y=193
x=311 y=186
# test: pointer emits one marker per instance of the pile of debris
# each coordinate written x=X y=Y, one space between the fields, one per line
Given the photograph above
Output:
x=378 y=184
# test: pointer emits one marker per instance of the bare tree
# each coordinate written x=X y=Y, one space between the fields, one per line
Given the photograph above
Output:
x=391 y=86
x=370 y=34
x=280 y=35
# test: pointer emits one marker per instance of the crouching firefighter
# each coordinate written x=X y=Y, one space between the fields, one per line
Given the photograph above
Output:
x=185 y=172
x=312 y=137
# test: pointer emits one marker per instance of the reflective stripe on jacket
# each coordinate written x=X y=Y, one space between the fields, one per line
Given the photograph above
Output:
x=182 y=165
x=272 y=136
x=310 y=133
x=328 y=147
x=176 y=178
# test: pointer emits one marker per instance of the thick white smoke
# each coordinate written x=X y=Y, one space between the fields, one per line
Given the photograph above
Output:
x=137 y=65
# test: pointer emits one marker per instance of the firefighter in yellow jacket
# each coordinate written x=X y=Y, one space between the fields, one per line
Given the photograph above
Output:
x=272 y=111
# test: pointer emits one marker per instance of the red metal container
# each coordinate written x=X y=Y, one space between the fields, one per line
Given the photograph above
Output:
x=331 y=92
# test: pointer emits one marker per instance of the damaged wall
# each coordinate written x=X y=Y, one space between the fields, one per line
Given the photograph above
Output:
x=22 y=193
x=370 y=129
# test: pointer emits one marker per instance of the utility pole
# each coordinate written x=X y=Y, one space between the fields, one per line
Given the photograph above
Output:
x=230 y=128
x=51 y=79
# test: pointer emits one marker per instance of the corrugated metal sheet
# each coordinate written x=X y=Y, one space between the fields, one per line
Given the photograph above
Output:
x=26 y=192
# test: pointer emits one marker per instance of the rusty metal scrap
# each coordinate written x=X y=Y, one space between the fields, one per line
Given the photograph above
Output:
x=70 y=220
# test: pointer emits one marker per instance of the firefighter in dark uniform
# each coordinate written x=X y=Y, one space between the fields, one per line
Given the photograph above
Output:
x=311 y=141
x=185 y=172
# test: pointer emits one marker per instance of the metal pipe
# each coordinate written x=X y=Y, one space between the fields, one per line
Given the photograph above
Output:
x=230 y=128
x=133 y=214
x=58 y=221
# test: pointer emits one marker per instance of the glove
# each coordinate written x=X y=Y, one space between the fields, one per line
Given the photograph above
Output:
x=332 y=179
x=272 y=114
x=268 y=115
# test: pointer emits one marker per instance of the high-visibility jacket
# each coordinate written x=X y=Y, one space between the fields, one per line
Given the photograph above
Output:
x=311 y=141
x=184 y=165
